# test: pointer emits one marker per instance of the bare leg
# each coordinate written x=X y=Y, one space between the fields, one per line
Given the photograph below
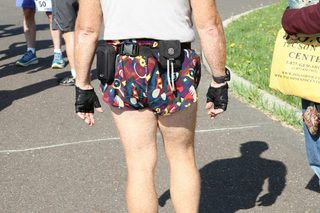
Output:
x=137 y=131
x=178 y=134
x=29 y=27
x=55 y=34
x=69 y=41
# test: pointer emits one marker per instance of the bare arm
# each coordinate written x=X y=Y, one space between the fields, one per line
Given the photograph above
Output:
x=213 y=42
x=86 y=36
x=210 y=29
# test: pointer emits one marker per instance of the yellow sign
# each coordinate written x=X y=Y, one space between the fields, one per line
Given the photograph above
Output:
x=295 y=68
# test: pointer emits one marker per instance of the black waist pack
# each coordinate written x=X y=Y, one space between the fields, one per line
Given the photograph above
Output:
x=171 y=50
x=106 y=58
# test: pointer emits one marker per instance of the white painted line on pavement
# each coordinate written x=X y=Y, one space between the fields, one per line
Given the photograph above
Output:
x=56 y=145
x=225 y=129
x=115 y=138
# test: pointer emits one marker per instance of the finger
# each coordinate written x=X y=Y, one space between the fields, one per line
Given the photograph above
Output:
x=213 y=117
x=217 y=111
x=209 y=105
x=87 y=121
x=91 y=117
x=99 y=109
x=81 y=115
x=214 y=112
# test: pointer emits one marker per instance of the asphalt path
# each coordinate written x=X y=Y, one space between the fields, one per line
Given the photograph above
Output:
x=52 y=162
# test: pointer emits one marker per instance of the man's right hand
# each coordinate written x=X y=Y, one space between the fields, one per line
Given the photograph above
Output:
x=86 y=101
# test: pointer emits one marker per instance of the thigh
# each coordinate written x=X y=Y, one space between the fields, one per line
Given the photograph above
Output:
x=137 y=130
x=26 y=4
x=64 y=14
x=178 y=129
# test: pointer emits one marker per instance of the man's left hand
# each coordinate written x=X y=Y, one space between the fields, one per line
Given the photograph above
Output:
x=217 y=99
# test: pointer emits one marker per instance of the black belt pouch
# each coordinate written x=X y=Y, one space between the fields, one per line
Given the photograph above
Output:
x=171 y=50
x=106 y=58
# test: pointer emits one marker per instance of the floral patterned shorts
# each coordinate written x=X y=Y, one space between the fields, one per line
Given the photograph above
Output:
x=140 y=82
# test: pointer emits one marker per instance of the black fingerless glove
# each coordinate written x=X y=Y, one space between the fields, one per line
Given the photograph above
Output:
x=86 y=100
x=219 y=96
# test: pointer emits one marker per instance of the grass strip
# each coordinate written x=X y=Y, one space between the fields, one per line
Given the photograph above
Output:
x=252 y=95
x=250 y=43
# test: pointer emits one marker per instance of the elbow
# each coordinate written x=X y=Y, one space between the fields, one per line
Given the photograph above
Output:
x=212 y=28
x=213 y=31
x=85 y=33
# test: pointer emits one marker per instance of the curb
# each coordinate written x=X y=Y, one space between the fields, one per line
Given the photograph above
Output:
x=271 y=100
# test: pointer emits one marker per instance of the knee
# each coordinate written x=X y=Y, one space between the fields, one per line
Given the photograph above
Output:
x=180 y=152
x=142 y=163
x=141 y=169
x=181 y=157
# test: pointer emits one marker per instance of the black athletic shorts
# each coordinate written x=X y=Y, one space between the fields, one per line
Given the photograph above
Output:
x=64 y=14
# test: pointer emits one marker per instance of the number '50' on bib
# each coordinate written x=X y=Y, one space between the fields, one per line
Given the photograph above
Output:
x=43 y=5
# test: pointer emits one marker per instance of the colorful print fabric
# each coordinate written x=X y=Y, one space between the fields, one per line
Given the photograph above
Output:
x=140 y=83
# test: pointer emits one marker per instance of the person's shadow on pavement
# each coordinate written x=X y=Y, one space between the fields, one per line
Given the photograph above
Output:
x=7 y=30
x=313 y=184
x=7 y=97
x=231 y=184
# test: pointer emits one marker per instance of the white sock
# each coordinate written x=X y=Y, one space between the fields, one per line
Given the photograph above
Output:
x=57 y=51
x=32 y=49
x=73 y=73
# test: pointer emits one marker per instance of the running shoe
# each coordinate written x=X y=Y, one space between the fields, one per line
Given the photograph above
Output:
x=58 y=62
x=68 y=81
x=27 y=59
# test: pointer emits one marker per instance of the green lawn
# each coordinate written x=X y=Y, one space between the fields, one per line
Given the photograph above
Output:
x=250 y=42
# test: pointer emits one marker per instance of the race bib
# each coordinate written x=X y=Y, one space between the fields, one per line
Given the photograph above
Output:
x=43 y=5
